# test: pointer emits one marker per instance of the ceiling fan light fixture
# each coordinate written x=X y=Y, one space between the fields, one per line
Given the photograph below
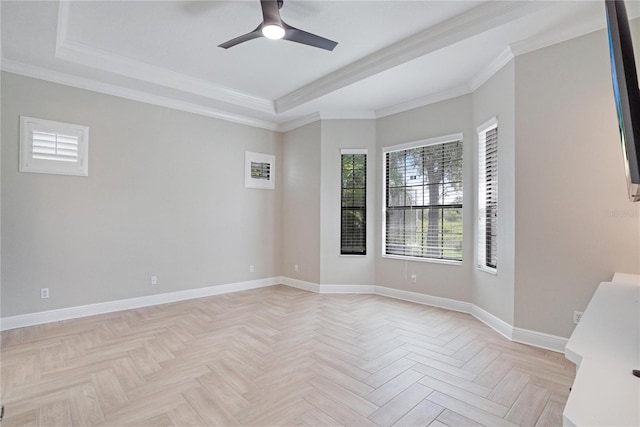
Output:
x=273 y=32
x=273 y=27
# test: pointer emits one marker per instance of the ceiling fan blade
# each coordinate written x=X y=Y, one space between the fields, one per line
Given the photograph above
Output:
x=243 y=38
x=270 y=12
x=299 y=36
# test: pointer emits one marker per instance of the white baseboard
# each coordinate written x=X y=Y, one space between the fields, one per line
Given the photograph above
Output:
x=495 y=323
x=449 y=304
x=533 y=338
x=300 y=284
x=347 y=289
x=524 y=336
x=31 y=319
x=539 y=339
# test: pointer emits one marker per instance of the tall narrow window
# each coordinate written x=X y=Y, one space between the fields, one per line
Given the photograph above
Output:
x=488 y=196
x=423 y=199
x=353 y=227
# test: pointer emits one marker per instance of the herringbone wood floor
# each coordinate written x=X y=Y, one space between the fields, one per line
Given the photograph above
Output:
x=279 y=356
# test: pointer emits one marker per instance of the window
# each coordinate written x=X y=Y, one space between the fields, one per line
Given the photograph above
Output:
x=259 y=170
x=423 y=200
x=353 y=222
x=53 y=147
x=488 y=196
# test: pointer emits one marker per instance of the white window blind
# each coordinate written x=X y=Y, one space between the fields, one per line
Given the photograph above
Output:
x=488 y=196
x=53 y=147
x=353 y=200
x=261 y=170
x=423 y=200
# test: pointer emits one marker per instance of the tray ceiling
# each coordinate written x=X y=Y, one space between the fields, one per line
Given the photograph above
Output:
x=391 y=55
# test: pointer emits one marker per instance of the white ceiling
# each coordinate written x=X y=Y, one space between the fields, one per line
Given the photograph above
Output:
x=391 y=56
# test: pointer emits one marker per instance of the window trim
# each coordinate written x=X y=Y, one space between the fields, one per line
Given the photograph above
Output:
x=406 y=146
x=480 y=235
x=55 y=167
x=259 y=183
x=355 y=151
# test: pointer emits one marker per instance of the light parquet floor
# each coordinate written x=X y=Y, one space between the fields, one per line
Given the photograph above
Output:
x=279 y=356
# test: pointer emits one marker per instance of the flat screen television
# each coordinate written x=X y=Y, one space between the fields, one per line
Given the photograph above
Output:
x=626 y=92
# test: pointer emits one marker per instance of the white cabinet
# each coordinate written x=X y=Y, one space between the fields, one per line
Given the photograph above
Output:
x=605 y=346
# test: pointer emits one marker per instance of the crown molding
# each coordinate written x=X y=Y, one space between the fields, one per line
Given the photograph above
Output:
x=92 y=57
x=135 y=95
x=98 y=59
x=471 y=86
x=460 y=27
x=348 y=115
x=329 y=115
x=493 y=67
x=575 y=29
x=454 y=92
x=298 y=123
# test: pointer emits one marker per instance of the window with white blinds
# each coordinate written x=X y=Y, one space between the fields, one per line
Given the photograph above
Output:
x=353 y=219
x=488 y=196
x=423 y=200
x=53 y=147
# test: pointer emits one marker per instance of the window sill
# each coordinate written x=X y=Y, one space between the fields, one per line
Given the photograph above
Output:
x=492 y=271
x=427 y=260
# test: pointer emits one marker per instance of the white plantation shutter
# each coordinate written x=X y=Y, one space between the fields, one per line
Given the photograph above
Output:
x=488 y=196
x=53 y=147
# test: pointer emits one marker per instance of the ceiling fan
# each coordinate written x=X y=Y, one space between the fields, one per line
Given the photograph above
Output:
x=273 y=27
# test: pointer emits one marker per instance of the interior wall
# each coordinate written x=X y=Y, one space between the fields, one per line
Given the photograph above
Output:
x=165 y=196
x=0 y=176
x=336 y=268
x=301 y=203
x=575 y=226
x=496 y=98
x=443 y=118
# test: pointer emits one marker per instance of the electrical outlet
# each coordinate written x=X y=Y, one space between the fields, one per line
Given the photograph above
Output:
x=414 y=278
x=154 y=280
x=295 y=268
x=252 y=269
x=577 y=315
x=44 y=293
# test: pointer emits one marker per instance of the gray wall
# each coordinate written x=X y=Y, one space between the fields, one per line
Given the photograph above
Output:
x=165 y=196
x=0 y=178
x=301 y=203
x=496 y=98
x=574 y=223
x=311 y=203
x=336 y=268
x=444 y=118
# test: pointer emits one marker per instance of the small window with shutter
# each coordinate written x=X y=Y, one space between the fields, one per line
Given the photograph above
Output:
x=53 y=147
x=488 y=196
x=353 y=220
